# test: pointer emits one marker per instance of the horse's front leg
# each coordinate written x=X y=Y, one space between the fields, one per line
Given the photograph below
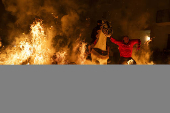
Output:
x=103 y=62
x=94 y=59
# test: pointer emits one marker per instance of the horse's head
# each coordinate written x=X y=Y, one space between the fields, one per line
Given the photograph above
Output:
x=106 y=28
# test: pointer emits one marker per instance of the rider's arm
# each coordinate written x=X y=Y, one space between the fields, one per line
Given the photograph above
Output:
x=115 y=41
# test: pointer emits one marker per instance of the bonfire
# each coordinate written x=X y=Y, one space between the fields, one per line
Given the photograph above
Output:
x=29 y=50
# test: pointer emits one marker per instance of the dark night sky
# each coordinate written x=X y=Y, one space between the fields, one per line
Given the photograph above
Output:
x=126 y=16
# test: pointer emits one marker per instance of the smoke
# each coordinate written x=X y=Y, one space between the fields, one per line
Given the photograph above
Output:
x=143 y=56
x=69 y=22
x=127 y=16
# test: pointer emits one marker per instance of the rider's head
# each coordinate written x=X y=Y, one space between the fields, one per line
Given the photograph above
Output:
x=99 y=22
x=125 y=39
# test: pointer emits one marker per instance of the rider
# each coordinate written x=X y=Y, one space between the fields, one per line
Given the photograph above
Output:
x=98 y=29
x=126 y=47
x=94 y=33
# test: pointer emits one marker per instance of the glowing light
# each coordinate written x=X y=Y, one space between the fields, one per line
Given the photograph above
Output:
x=130 y=62
x=148 y=38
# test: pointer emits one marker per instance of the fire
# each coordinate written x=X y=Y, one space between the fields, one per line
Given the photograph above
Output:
x=82 y=56
x=151 y=63
x=79 y=52
x=143 y=55
x=76 y=45
x=32 y=50
x=36 y=49
x=17 y=54
x=39 y=40
x=61 y=57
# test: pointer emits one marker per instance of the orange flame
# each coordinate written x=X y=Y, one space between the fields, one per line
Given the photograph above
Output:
x=143 y=55
x=82 y=56
x=33 y=51
x=61 y=57
x=39 y=40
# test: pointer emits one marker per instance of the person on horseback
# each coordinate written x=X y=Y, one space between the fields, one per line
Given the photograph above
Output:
x=99 y=48
x=125 y=48
x=94 y=32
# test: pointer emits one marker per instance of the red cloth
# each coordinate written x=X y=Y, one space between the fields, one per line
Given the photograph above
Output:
x=126 y=49
x=95 y=42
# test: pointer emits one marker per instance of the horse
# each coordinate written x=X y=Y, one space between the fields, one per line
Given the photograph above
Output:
x=99 y=54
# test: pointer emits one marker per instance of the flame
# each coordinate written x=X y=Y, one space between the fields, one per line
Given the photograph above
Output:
x=0 y=44
x=77 y=45
x=61 y=57
x=39 y=40
x=151 y=63
x=82 y=56
x=35 y=49
x=143 y=55
x=16 y=55
x=32 y=51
